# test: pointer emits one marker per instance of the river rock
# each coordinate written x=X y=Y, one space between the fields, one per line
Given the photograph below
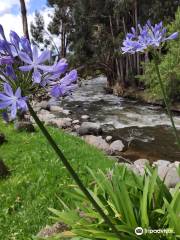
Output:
x=98 y=142
x=46 y=116
x=75 y=121
x=43 y=105
x=57 y=109
x=89 y=128
x=76 y=127
x=24 y=126
x=37 y=106
x=130 y=167
x=140 y=165
x=162 y=166
x=2 y=138
x=108 y=138
x=66 y=112
x=116 y=147
x=172 y=176
x=85 y=117
x=4 y=171
x=61 y=122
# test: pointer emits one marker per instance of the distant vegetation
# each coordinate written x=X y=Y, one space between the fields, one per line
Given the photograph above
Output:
x=91 y=34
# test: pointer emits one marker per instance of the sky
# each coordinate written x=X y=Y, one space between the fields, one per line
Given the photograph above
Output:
x=10 y=14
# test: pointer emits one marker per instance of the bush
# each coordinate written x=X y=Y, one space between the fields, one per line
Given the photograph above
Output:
x=169 y=67
x=129 y=200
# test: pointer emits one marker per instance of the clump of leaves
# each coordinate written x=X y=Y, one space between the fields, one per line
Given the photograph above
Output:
x=129 y=200
x=169 y=68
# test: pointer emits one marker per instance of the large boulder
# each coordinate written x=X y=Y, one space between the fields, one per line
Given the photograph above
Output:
x=89 y=128
x=4 y=171
x=116 y=147
x=98 y=142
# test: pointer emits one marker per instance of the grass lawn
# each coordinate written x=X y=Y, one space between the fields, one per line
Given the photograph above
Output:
x=38 y=179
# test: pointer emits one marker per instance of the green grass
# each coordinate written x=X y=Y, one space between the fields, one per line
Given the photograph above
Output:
x=38 y=179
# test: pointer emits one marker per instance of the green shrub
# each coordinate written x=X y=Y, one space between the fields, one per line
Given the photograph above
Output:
x=129 y=200
x=169 y=67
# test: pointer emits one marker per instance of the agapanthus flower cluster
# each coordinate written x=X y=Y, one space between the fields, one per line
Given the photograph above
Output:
x=146 y=38
x=25 y=71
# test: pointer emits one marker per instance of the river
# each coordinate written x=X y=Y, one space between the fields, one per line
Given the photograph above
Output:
x=145 y=129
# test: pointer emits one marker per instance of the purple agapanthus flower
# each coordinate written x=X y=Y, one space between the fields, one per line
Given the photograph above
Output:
x=6 y=60
x=65 y=85
x=57 y=68
x=51 y=78
x=12 y=101
x=147 y=37
x=35 y=63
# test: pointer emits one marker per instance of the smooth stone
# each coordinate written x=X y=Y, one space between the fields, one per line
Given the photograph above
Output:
x=4 y=171
x=66 y=112
x=85 y=117
x=98 y=142
x=108 y=138
x=46 y=116
x=37 y=106
x=130 y=167
x=75 y=121
x=24 y=126
x=43 y=104
x=140 y=165
x=56 y=109
x=89 y=128
x=162 y=166
x=116 y=147
x=61 y=122
x=172 y=177
x=76 y=127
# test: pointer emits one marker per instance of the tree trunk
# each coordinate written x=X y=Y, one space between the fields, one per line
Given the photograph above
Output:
x=24 y=18
x=136 y=24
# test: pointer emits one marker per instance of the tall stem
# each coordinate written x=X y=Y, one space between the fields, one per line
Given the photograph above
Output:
x=156 y=61
x=71 y=171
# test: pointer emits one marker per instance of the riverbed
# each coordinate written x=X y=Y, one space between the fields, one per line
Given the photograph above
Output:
x=145 y=129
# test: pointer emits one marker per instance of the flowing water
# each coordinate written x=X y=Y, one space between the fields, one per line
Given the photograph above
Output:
x=145 y=129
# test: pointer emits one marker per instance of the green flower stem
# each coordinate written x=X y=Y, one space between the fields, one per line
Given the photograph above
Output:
x=156 y=61
x=71 y=171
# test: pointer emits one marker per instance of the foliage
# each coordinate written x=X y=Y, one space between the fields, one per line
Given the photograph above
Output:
x=37 y=30
x=91 y=34
x=129 y=201
x=169 y=68
x=62 y=22
x=38 y=179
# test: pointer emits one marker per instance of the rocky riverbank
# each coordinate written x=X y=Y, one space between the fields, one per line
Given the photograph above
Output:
x=93 y=134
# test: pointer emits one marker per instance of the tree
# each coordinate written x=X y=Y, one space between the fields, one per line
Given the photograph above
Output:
x=62 y=23
x=24 y=18
x=92 y=32
x=37 y=29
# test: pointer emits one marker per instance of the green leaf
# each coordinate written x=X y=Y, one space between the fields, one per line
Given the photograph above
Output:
x=144 y=204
